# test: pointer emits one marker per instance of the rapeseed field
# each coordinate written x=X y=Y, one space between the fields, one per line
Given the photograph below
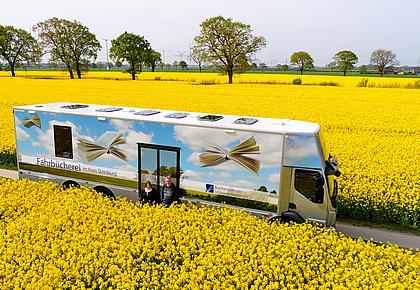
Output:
x=76 y=239
x=373 y=130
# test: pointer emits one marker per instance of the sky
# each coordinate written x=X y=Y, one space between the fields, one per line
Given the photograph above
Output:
x=321 y=27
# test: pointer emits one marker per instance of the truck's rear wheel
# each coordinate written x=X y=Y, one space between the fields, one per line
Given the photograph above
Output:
x=106 y=192
x=69 y=184
x=287 y=217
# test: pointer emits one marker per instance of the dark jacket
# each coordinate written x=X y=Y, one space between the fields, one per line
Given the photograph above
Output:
x=169 y=194
x=151 y=197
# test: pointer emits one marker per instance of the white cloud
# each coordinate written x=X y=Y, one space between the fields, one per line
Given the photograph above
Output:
x=21 y=134
x=274 y=178
x=220 y=174
x=197 y=138
x=190 y=174
x=239 y=183
x=194 y=158
x=127 y=167
x=299 y=148
x=121 y=124
x=132 y=138
x=35 y=144
x=270 y=148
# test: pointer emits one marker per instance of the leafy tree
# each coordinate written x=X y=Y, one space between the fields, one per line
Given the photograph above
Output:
x=175 y=65
x=242 y=65
x=362 y=69
x=262 y=188
x=263 y=66
x=345 y=60
x=161 y=64
x=183 y=64
x=68 y=42
x=167 y=171
x=382 y=58
x=198 y=55
x=153 y=58
x=282 y=67
x=17 y=45
x=224 y=41
x=132 y=49
x=302 y=60
x=118 y=64
x=254 y=66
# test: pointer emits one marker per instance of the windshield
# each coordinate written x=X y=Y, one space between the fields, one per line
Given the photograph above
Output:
x=302 y=151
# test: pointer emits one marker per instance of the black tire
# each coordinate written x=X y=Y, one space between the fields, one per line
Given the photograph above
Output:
x=286 y=217
x=275 y=219
x=69 y=184
x=106 y=192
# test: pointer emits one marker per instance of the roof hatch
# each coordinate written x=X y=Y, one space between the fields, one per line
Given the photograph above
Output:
x=245 y=121
x=211 y=118
x=74 y=106
x=177 y=115
x=109 y=109
x=147 y=113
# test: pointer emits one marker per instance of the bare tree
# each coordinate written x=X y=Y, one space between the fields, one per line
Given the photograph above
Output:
x=383 y=58
x=198 y=55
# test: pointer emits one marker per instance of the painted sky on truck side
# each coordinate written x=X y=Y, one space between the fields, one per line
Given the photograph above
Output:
x=192 y=141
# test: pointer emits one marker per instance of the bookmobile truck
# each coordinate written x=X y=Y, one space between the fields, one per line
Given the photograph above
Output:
x=279 y=168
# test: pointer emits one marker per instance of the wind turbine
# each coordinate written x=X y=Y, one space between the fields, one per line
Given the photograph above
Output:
x=181 y=55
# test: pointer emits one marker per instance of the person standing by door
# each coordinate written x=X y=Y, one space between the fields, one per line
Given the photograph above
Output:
x=149 y=194
x=169 y=192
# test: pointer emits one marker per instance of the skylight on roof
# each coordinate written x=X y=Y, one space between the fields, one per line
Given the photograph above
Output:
x=211 y=118
x=147 y=113
x=245 y=121
x=109 y=109
x=74 y=106
x=177 y=115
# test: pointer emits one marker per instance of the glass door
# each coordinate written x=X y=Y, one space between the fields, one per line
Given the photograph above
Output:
x=157 y=162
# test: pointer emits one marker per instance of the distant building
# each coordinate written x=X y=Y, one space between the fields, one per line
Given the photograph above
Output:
x=393 y=70
x=416 y=70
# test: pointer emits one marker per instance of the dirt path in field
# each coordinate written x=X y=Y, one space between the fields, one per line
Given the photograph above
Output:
x=404 y=240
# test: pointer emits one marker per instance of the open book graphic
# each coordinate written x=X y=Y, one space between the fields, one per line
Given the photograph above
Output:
x=217 y=155
x=36 y=121
x=106 y=144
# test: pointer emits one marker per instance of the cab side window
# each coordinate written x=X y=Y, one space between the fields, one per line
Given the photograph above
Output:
x=310 y=184
x=63 y=143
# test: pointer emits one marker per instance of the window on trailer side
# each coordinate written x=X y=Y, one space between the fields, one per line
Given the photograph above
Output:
x=63 y=143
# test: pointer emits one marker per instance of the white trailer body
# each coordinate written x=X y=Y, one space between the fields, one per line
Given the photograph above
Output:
x=274 y=165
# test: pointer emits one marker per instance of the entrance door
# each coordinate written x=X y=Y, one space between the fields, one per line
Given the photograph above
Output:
x=156 y=162
x=308 y=194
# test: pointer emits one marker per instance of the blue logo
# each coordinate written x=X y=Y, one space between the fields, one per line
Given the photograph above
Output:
x=210 y=188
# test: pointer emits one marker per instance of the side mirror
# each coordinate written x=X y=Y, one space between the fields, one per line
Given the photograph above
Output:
x=331 y=167
x=335 y=194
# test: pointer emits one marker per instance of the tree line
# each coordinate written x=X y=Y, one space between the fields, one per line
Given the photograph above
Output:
x=228 y=45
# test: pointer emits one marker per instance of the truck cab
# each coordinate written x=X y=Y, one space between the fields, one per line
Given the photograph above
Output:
x=309 y=189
